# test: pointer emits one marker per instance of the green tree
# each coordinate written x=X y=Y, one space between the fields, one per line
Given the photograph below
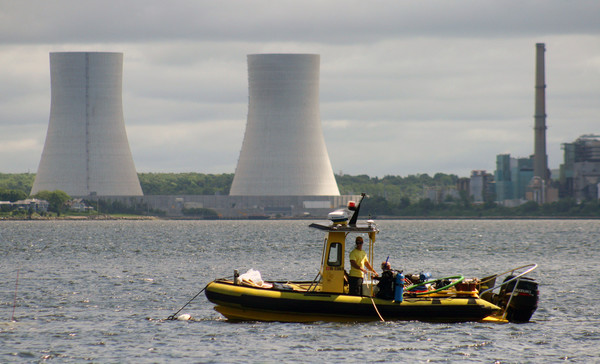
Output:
x=56 y=199
x=529 y=208
x=12 y=195
x=404 y=202
x=376 y=206
x=17 y=181
x=185 y=183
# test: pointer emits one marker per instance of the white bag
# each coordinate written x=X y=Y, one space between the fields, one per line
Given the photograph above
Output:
x=251 y=277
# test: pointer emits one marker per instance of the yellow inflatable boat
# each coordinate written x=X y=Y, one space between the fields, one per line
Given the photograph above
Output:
x=411 y=297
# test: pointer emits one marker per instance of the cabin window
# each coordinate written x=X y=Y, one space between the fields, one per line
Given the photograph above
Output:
x=335 y=255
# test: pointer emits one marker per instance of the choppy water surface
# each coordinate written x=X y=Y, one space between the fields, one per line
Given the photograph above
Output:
x=100 y=291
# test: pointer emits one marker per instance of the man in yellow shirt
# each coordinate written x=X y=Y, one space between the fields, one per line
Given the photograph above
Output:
x=358 y=262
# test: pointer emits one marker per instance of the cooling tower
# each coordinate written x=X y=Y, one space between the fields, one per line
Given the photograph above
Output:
x=540 y=161
x=283 y=152
x=86 y=150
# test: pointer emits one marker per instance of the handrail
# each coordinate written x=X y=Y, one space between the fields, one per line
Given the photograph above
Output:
x=510 y=299
x=315 y=282
x=532 y=267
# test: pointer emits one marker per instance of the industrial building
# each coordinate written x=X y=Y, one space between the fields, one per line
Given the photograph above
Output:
x=283 y=152
x=512 y=177
x=86 y=151
x=238 y=207
x=283 y=169
x=480 y=186
x=580 y=172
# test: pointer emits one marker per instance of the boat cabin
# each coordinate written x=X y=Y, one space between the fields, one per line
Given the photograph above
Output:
x=333 y=268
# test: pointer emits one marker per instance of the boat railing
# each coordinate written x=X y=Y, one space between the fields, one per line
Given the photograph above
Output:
x=529 y=268
x=314 y=283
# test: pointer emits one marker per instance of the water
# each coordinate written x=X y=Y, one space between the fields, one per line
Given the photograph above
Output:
x=99 y=291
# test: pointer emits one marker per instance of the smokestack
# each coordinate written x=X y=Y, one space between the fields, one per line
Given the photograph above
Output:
x=283 y=152
x=86 y=150
x=540 y=159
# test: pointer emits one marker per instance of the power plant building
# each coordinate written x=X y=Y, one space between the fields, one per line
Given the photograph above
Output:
x=580 y=172
x=86 y=151
x=480 y=186
x=283 y=152
x=512 y=178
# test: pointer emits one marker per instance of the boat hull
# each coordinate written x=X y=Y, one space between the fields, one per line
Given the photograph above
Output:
x=237 y=302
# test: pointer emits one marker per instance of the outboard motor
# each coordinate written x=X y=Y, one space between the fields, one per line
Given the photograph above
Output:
x=524 y=301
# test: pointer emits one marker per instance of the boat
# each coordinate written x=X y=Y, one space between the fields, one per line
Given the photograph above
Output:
x=503 y=297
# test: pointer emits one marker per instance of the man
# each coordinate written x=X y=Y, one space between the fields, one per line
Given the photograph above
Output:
x=386 y=282
x=358 y=262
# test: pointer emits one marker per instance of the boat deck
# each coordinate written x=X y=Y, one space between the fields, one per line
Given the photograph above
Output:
x=308 y=287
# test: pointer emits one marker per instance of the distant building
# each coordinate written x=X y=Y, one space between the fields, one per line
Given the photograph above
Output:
x=79 y=205
x=463 y=184
x=512 y=177
x=580 y=172
x=481 y=186
x=32 y=203
x=541 y=191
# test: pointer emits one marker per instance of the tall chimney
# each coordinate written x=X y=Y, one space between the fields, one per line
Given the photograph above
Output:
x=540 y=159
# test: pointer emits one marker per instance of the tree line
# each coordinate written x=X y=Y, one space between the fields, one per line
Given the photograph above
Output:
x=389 y=195
x=393 y=188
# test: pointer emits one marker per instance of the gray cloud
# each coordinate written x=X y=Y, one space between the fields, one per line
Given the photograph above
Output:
x=406 y=87
x=343 y=22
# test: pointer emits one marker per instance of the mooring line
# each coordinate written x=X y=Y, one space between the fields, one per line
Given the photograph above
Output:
x=172 y=317
x=376 y=310
x=15 y=300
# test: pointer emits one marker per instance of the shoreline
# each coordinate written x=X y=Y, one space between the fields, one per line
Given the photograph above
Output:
x=78 y=218
x=380 y=218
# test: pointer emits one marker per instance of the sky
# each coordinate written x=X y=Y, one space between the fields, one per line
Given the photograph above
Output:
x=406 y=87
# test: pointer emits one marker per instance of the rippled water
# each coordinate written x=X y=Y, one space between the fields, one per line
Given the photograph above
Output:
x=100 y=291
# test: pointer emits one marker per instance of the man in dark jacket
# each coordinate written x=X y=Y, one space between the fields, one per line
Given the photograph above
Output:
x=386 y=282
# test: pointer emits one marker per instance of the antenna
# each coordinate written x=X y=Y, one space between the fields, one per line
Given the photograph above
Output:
x=356 y=211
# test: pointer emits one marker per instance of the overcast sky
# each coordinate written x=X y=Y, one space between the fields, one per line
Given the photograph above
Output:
x=406 y=87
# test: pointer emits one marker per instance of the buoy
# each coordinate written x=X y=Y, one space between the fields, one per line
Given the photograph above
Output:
x=184 y=317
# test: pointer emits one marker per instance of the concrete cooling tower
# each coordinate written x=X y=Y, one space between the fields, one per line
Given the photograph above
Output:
x=86 y=150
x=283 y=152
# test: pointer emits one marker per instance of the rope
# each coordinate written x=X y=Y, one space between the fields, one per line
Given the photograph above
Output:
x=172 y=317
x=376 y=310
x=15 y=300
